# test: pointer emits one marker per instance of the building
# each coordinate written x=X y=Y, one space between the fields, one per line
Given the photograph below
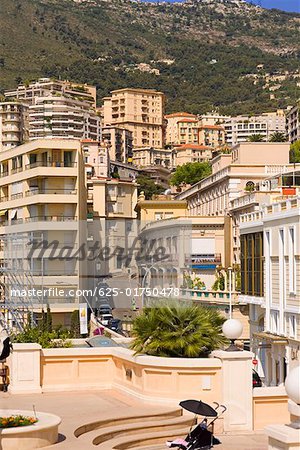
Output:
x=240 y=128
x=187 y=153
x=212 y=118
x=172 y=128
x=270 y=285
x=61 y=117
x=140 y=111
x=13 y=124
x=233 y=175
x=119 y=141
x=150 y=156
x=293 y=124
x=43 y=200
x=211 y=135
x=57 y=110
x=44 y=87
x=188 y=130
x=161 y=207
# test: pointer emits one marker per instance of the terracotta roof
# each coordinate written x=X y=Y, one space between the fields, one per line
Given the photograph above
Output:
x=180 y=114
x=188 y=120
x=193 y=146
x=212 y=127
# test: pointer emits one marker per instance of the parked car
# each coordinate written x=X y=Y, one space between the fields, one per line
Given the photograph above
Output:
x=256 y=380
x=105 y=319
x=104 y=308
x=115 y=325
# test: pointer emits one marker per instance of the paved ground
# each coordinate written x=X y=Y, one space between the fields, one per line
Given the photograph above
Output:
x=78 y=408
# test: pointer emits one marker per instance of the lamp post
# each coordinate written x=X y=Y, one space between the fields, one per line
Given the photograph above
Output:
x=232 y=329
x=230 y=291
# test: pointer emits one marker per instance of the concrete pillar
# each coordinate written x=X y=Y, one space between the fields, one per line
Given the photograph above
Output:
x=236 y=389
x=273 y=371
x=24 y=369
x=286 y=437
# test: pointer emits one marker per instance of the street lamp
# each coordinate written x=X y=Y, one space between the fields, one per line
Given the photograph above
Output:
x=230 y=291
x=232 y=329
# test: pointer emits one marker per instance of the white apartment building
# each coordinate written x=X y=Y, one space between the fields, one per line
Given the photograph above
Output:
x=43 y=87
x=293 y=124
x=13 y=124
x=239 y=129
x=56 y=110
x=270 y=268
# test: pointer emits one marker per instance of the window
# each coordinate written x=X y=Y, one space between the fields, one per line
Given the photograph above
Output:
x=274 y=322
x=252 y=264
x=158 y=216
x=292 y=261
x=292 y=326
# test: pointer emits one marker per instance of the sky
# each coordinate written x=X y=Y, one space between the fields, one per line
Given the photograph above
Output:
x=286 y=5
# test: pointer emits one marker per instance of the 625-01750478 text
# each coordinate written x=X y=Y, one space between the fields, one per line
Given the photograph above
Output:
x=138 y=291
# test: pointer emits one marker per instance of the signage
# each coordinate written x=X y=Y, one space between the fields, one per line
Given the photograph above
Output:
x=83 y=322
x=254 y=362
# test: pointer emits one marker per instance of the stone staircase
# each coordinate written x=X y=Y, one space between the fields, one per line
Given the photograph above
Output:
x=140 y=431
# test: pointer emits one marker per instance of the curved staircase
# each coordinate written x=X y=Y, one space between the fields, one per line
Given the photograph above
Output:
x=140 y=431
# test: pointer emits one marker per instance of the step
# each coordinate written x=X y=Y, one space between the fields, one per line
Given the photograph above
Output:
x=124 y=420
x=146 y=439
x=141 y=428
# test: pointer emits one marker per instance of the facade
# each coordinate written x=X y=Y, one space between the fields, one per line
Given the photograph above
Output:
x=42 y=199
x=187 y=153
x=159 y=208
x=13 y=124
x=239 y=129
x=140 y=111
x=270 y=284
x=149 y=156
x=211 y=135
x=188 y=131
x=119 y=141
x=293 y=124
x=172 y=129
x=212 y=118
x=232 y=175
x=60 y=117
x=44 y=87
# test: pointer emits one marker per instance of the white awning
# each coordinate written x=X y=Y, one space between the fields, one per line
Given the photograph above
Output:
x=12 y=213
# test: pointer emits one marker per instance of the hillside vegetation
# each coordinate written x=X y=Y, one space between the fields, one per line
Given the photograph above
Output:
x=202 y=49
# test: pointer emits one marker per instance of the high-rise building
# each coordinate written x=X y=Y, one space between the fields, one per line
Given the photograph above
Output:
x=293 y=124
x=119 y=142
x=13 y=124
x=172 y=128
x=140 y=111
x=57 y=109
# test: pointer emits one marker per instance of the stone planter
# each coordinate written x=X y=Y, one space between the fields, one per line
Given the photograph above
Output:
x=38 y=435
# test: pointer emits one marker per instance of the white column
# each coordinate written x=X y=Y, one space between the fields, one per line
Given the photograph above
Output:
x=24 y=364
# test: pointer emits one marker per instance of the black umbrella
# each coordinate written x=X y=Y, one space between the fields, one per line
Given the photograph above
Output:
x=199 y=408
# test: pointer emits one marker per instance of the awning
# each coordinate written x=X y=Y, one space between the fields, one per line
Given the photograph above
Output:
x=273 y=338
x=3 y=212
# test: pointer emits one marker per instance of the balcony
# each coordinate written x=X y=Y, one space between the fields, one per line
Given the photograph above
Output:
x=50 y=164
x=51 y=219
x=37 y=191
x=204 y=261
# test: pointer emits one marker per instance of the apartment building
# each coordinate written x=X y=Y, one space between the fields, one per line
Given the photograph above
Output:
x=188 y=130
x=232 y=176
x=240 y=128
x=293 y=124
x=43 y=87
x=270 y=285
x=149 y=156
x=187 y=153
x=13 y=124
x=119 y=141
x=57 y=110
x=140 y=111
x=172 y=128
x=42 y=198
x=212 y=118
x=211 y=135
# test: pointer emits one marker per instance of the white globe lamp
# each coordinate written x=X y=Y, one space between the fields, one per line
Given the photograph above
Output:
x=292 y=385
x=232 y=329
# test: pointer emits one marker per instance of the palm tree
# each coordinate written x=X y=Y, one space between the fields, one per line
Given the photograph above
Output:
x=182 y=331
x=278 y=137
x=256 y=138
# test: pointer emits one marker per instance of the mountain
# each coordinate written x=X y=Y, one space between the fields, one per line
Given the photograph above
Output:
x=201 y=52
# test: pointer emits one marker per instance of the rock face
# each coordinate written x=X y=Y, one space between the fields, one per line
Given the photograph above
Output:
x=105 y=42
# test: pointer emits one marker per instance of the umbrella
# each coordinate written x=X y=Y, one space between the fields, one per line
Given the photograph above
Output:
x=198 y=407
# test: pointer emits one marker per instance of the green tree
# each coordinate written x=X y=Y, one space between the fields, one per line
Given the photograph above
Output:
x=148 y=186
x=278 y=137
x=190 y=173
x=295 y=152
x=75 y=325
x=256 y=138
x=179 y=331
x=48 y=324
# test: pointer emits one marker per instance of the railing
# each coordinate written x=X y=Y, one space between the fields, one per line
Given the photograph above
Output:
x=50 y=219
x=16 y=170
x=209 y=296
x=3 y=199
x=50 y=164
x=3 y=174
x=15 y=196
x=50 y=191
